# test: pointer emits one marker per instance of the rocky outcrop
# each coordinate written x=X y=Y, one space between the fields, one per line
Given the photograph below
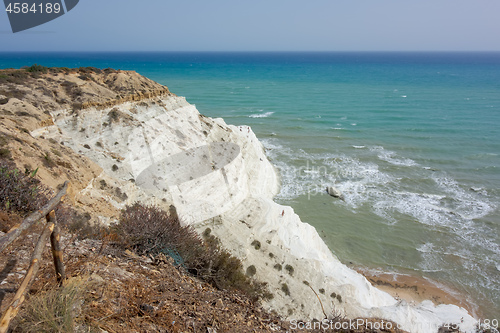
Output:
x=137 y=97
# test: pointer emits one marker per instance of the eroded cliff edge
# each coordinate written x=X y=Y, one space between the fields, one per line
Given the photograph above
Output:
x=121 y=138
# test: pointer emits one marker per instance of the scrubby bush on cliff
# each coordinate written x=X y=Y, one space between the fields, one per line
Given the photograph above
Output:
x=20 y=192
x=150 y=230
x=35 y=68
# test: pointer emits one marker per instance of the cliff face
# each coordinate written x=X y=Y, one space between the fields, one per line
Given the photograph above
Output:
x=122 y=144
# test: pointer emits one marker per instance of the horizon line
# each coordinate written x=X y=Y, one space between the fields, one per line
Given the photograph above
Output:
x=256 y=51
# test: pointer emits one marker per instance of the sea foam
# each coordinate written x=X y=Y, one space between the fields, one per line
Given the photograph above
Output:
x=261 y=115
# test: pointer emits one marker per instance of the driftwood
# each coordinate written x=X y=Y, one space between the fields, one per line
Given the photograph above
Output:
x=15 y=305
x=33 y=218
x=57 y=254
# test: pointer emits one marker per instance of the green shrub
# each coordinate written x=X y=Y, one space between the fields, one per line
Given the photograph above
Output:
x=285 y=289
x=256 y=244
x=338 y=297
x=150 y=230
x=37 y=69
x=251 y=270
x=278 y=267
x=289 y=269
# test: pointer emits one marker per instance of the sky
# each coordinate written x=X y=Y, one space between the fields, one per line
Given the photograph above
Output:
x=265 y=25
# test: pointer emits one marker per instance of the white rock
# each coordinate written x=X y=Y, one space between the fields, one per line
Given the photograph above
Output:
x=334 y=192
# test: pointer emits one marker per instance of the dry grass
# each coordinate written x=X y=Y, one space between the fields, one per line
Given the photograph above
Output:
x=52 y=311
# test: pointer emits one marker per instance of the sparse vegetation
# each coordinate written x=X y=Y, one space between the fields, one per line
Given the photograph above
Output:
x=251 y=270
x=52 y=310
x=285 y=289
x=76 y=106
x=48 y=161
x=35 y=68
x=336 y=296
x=278 y=267
x=289 y=269
x=322 y=291
x=114 y=115
x=55 y=152
x=20 y=192
x=150 y=230
x=4 y=153
x=256 y=244
x=15 y=77
x=122 y=195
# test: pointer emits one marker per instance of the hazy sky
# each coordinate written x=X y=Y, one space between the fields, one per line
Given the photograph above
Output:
x=258 y=25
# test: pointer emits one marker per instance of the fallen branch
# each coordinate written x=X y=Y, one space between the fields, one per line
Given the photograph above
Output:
x=15 y=305
x=57 y=254
x=321 y=303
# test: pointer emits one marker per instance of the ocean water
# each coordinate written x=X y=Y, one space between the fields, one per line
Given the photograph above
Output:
x=411 y=139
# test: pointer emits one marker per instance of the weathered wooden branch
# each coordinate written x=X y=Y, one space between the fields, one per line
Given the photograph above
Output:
x=15 y=305
x=321 y=303
x=33 y=218
x=57 y=254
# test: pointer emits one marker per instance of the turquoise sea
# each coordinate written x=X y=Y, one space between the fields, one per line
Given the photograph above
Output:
x=411 y=139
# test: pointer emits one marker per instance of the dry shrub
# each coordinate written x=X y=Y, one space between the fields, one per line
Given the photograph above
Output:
x=20 y=192
x=150 y=230
x=53 y=310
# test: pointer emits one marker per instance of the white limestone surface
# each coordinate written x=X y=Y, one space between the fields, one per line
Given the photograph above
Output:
x=218 y=177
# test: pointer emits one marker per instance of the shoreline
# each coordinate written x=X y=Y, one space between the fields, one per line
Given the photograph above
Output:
x=414 y=289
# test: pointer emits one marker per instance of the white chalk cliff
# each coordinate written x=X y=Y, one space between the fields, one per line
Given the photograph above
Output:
x=163 y=151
